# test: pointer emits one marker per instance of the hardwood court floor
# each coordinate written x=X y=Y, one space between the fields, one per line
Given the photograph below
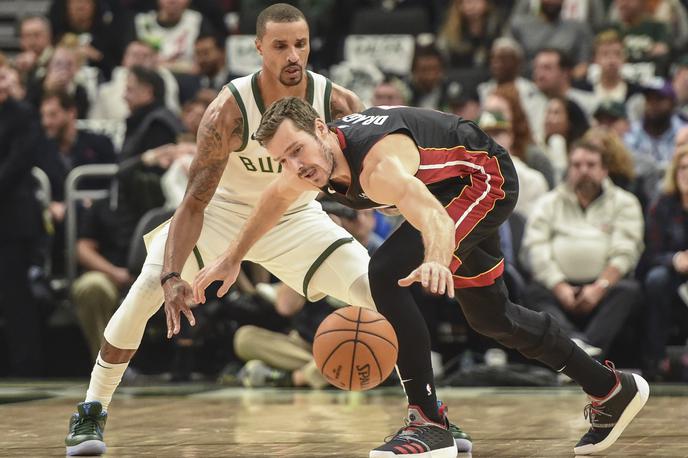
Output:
x=213 y=422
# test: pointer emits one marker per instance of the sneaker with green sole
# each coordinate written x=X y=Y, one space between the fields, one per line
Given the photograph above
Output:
x=464 y=443
x=86 y=430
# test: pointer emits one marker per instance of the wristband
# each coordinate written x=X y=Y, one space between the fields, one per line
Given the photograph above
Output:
x=169 y=275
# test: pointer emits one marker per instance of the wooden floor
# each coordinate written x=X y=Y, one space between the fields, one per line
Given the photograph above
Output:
x=207 y=421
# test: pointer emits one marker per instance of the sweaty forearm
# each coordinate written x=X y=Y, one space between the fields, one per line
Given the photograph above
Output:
x=438 y=237
x=185 y=229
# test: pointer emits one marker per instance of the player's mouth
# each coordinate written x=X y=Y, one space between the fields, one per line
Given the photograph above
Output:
x=292 y=70
x=308 y=174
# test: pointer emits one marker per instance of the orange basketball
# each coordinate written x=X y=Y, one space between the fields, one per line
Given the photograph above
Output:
x=355 y=348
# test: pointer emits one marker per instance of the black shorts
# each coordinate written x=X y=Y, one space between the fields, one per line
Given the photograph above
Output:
x=481 y=205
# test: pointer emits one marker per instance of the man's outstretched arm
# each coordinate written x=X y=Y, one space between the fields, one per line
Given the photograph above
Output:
x=388 y=178
x=220 y=132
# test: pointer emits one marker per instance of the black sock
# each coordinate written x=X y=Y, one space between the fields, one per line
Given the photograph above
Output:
x=420 y=391
x=593 y=377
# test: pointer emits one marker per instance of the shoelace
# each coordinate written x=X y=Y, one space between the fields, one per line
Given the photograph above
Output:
x=85 y=425
x=592 y=411
x=407 y=430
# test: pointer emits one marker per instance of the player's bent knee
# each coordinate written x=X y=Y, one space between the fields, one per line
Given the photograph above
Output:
x=113 y=355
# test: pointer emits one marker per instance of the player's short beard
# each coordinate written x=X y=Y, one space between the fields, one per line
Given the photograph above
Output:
x=327 y=155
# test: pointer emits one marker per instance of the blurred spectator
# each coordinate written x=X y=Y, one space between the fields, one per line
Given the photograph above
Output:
x=505 y=99
x=175 y=179
x=610 y=57
x=673 y=13
x=531 y=184
x=21 y=234
x=66 y=149
x=428 y=85
x=652 y=139
x=101 y=248
x=149 y=126
x=463 y=102
x=61 y=75
x=506 y=59
x=468 y=31
x=565 y=123
x=211 y=61
x=73 y=147
x=580 y=259
x=391 y=91
x=645 y=40
x=679 y=81
x=552 y=75
x=667 y=261
x=612 y=115
x=173 y=29
x=619 y=160
x=593 y=12
x=35 y=41
x=92 y=22
x=110 y=102
x=547 y=28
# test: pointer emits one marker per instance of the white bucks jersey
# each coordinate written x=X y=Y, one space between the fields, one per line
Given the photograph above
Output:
x=249 y=169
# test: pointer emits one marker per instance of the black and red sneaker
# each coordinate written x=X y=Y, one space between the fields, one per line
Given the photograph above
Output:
x=420 y=438
x=610 y=415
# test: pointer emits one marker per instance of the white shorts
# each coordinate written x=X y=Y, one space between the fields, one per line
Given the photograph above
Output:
x=292 y=251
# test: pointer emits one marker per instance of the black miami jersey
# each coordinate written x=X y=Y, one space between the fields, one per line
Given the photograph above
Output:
x=462 y=166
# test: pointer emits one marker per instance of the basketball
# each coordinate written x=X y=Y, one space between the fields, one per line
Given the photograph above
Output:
x=355 y=348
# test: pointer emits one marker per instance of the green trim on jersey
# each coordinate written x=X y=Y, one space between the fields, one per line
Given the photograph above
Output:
x=328 y=106
x=310 y=88
x=256 y=93
x=260 y=103
x=320 y=259
x=237 y=97
x=199 y=258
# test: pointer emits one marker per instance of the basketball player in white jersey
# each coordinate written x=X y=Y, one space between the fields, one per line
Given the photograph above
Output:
x=226 y=179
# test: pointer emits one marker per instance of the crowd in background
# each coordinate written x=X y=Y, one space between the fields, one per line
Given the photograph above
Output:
x=590 y=98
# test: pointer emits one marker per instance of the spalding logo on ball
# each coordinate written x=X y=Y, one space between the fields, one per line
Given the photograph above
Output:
x=355 y=348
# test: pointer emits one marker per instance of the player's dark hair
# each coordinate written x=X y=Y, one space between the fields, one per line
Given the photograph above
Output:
x=279 y=12
x=301 y=113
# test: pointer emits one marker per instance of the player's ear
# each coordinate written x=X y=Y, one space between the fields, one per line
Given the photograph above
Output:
x=259 y=45
x=320 y=126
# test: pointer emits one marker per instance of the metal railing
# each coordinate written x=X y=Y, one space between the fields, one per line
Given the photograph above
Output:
x=74 y=195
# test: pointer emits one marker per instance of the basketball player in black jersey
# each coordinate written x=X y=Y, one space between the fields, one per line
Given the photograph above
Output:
x=455 y=186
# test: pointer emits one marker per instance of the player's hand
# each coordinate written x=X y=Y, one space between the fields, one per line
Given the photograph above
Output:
x=434 y=276
x=178 y=300
x=223 y=269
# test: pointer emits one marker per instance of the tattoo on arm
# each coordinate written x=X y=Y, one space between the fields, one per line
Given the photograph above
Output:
x=211 y=157
x=344 y=102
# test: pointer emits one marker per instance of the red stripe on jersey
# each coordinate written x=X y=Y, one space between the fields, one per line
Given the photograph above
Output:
x=477 y=199
x=484 y=279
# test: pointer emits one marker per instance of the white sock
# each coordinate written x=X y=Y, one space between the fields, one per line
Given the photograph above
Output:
x=105 y=378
